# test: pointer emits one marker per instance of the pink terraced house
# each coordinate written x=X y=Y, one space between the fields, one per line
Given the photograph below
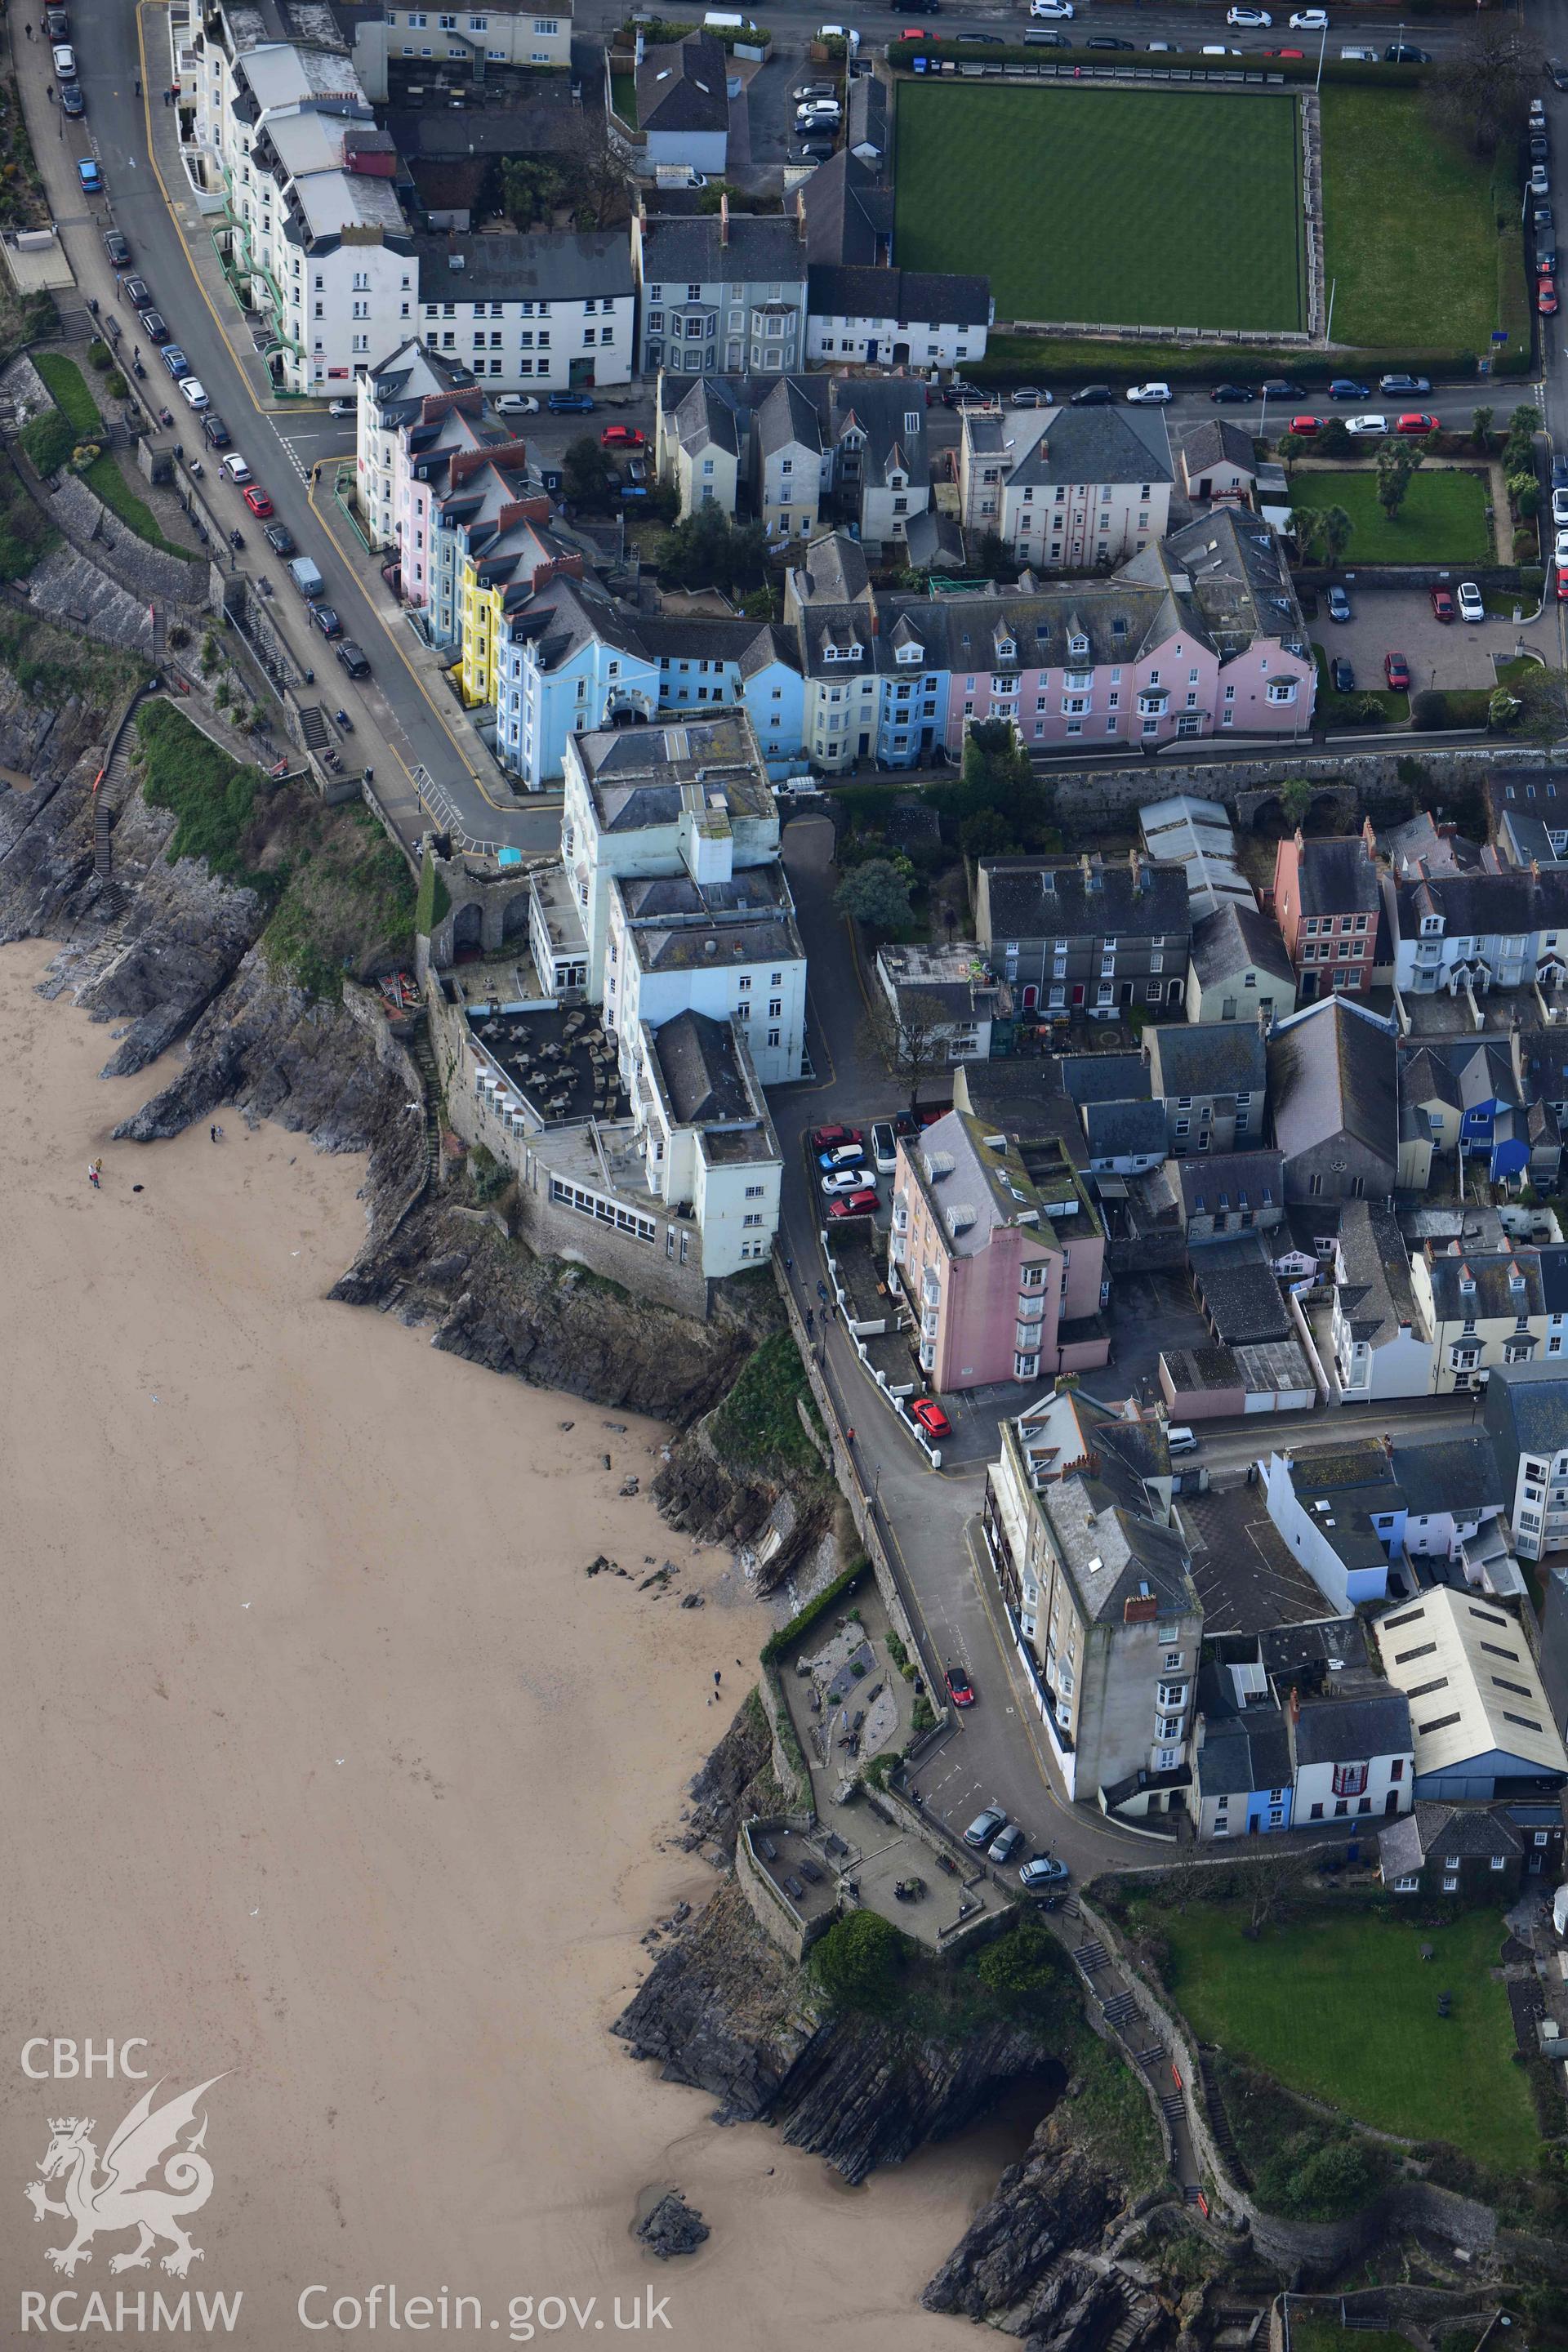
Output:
x=1201 y=634
x=1001 y=1256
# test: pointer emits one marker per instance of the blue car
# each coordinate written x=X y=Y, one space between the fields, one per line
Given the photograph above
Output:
x=1345 y=388
x=90 y=176
x=634 y=489
x=571 y=403
x=174 y=360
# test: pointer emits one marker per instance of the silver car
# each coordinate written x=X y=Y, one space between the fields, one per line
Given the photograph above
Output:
x=985 y=1826
x=1004 y=1846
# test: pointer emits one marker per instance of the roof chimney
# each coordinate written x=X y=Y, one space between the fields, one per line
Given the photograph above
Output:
x=723 y=216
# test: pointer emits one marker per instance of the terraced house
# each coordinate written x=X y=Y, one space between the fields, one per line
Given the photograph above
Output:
x=1327 y=902
x=1483 y=1310
x=1085 y=935
x=1482 y=931
x=1066 y=488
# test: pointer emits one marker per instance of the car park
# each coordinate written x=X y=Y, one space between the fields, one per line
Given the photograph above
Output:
x=1305 y=426
x=884 y=1146
x=1397 y=670
x=571 y=403
x=1472 y=605
x=1044 y=1870
x=1345 y=388
x=174 y=360
x=1341 y=676
x=1005 y=1843
x=90 y=176
x=985 y=1826
x=1091 y=396
x=842 y=1155
x=257 y=499
x=280 y=539
x=623 y=436
x=825 y=1138
x=152 y=326
x=1150 y=395
x=849 y=1180
x=1442 y=604
x=931 y=1418
x=517 y=403
x=1309 y=20
x=1249 y=19
x=235 y=467
x=1029 y=395
x=1232 y=394
x=960 y=1689
x=1372 y=423
x=353 y=658
x=326 y=620
x=193 y=392
x=116 y=247
x=1405 y=53
x=1339 y=604
x=65 y=62
x=1415 y=422
x=215 y=430
x=856 y=1204
x=71 y=99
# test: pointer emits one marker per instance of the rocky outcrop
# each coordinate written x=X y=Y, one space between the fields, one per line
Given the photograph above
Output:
x=706 y=1493
x=736 y=1782
x=673 y=2227
x=1028 y=2263
x=724 y=2009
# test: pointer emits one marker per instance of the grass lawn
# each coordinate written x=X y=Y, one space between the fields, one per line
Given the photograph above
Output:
x=1442 y=520
x=1343 y=2007
x=69 y=389
x=1160 y=207
x=104 y=476
x=1315 y=2331
x=624 y=98
x=1385 y=170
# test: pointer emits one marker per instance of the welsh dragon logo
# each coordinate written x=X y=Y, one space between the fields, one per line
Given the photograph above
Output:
x=149 y=2182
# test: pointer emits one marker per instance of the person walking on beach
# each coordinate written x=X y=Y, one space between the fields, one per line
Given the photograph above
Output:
x=716 y=1678
x=93 y=1169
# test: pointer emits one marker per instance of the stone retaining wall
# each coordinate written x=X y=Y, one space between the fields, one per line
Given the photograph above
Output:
x=774 y=1912
x=142 y=570
x=1085 y=796
x=73 y=591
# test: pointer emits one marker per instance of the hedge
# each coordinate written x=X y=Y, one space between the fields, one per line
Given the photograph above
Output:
x=902 y=54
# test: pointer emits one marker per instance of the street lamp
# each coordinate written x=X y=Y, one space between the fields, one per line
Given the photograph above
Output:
x=1322 y=45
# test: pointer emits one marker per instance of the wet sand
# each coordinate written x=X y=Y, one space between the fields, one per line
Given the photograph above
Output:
x=329 y=1772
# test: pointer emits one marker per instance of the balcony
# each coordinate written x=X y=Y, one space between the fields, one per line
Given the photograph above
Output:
x=1032 y=1309
x=931 y=1289
x=1154 y=703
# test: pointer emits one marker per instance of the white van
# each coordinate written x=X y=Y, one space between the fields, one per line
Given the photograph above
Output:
x=1359 y=56
x=884 y=1147
x=1180 y=1441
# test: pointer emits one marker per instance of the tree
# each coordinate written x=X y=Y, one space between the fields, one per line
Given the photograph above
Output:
x=860 y=1961
x=877 y=894
x=1338 y=532
x=596 y=170
x=1481 y=427
x=1541 y=698
x=1307 y=530
x=529 y=187
x=1291 y=445
x=586 y=473
x=911 y=1043
x=1479 y=96
x=999 y=786
x=706 y=550
x=1270 y=1884
x=1295 y=799
x=1397 y=466
x=1027 y=1974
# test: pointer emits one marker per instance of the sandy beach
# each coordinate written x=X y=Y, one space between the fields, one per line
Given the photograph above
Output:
x=328 y=1771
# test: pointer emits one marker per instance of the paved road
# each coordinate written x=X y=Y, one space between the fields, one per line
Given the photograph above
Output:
x=398 y=724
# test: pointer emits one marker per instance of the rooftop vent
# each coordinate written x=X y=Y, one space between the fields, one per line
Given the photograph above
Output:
x=960 y=1217
x=938 y=1165
x=456 y=261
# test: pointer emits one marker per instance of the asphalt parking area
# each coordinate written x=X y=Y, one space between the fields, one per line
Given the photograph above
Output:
x=1442 y=654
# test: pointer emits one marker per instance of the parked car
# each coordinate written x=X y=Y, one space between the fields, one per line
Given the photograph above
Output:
x=931 y=1418
x=1405 y=53
x=1540 y=180
x=1106 y=41
x=1416 y=423
x=1029 y=395
x=1005 y=1843
x=884 y=1146
x=1472 y=605
x=825 y=1138
x=960 y=1689
x=1546 y=299
x=174 y=360
x=215 y=430
x=342 y=408
x=138 y=293
x=1443 y=606
x=71 y=99
x=65 y=62
x=1233 y=396
x=517 y=403
x=90 y=176
x=571 y=403
x=118 y=252
x=964 y=395
x=1249 y=19
x=1563 y=587
x=56 y=23
x=194 y=392
x=1397 y=670
x=1341 y=676
x=814 y=151
x=842 y=1155
x=1151 y=394
x=623 y=436
x=152 y=326
x=1345 y=388
x=257 y=499
x=1540 y=147
x=1559 y=508
x=1372 y=423
x=1403 y=383
x=810 y=90
x=856 y=1204
x=1047 y=40
x=1305 y=426
x=1339 y=603
x=1560 y=547
x=1054 y=9
x=1560 y=472
x=353 y=658
x=1280 y=387
x=1284 y=53
x=1045 y=1870
x=849 y=1180
x=1558 y=72
x=326 y=620
x=985 y=1826
x=1162 y=48
x=1309 y=20
x=1091 y=396
x=280 y=539
x=235 y=467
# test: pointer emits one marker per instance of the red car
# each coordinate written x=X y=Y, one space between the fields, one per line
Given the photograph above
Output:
x=1306 y=425
x=854 y=1204
x=258 y=501
x=960 y=1689
x=1443 y=603
x=1397 y=670
x=828 y=1138
x=931 y=1418
x=1563 y=587
x=1416 y=421
x=1546 y=299
x=623 y=436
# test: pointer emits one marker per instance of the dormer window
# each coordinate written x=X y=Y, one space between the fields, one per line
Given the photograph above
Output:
x=1077 y=644
x=910 y=653
x=1005 y=649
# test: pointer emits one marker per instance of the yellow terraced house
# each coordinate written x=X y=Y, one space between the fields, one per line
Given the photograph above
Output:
x=480 y=597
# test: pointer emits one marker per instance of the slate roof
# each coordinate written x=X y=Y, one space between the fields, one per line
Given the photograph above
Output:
x=1244 y=1753
x=1240 y=1291
x=1470 y=1832
x=701 y=1070
x=1104 y=1078
x=848 y=210
x=557 y=265
x=1236 y=939
x=1353 y=1730
x=787 y=418
x=1496 y=1298
x=683 y=86
x=1218 y=442
x=1090 y=444
x=1116 y=1130
x=1152 y=903
x=1207 y=1057
x=1114 y=1555
x=933 y=540
x=1483 y=906
x=1462 y=1072
x=1543 y=1059
x=1375 y=1295
x=922 y=296
x=760 y=246
x=1228 y=569
x=1531 y=1402
x=1230 y=1179
x=1457 y=1474
x=1337 y=878
x=1333 y=1071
